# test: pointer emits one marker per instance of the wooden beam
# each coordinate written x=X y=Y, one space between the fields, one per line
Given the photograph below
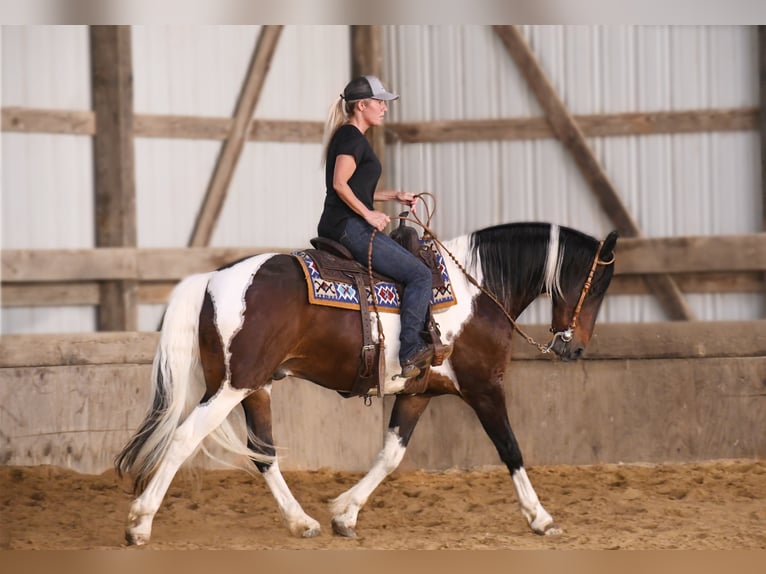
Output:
x=112 y=264
x=658 y=255
x=232 y=147
x=188 y=127
x=570 y=135
x=724 y=255
x=115 y=192
x=710 y=283
x=55 y=294
x=596 y=125
x=33 y=120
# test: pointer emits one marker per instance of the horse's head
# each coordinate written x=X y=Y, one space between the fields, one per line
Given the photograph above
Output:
x=576 y=306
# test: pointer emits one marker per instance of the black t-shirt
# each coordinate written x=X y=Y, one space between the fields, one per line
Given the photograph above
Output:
x=348 y=140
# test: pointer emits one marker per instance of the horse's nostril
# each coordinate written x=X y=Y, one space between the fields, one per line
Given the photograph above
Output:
x=577 y=352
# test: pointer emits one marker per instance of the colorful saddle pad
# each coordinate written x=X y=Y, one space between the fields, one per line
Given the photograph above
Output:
x=342 y=294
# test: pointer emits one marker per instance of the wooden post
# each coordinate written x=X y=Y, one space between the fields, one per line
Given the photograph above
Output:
x=114 y=166
x=232 y=147
x=762 y=118
x=565 y=128
x=367 y=59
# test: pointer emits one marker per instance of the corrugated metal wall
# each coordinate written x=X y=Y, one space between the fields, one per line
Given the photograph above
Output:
x=672 y=184
x=47 y=193
x=277 y=190
x=692 y=184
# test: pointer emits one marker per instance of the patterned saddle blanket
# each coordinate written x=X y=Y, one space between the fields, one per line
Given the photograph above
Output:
x=331 y=283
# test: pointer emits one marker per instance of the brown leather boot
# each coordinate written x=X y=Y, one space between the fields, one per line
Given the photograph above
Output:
x=417 y=363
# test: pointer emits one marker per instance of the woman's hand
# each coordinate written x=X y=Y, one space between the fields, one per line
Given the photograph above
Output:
x=377 y=219
x=406 y=198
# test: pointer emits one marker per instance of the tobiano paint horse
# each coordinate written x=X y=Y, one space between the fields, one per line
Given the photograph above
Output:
x=229 y=335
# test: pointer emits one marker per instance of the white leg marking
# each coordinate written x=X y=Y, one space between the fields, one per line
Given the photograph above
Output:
x=298 y=522
x=345 y=508
x=537 y=517
x=187 y=437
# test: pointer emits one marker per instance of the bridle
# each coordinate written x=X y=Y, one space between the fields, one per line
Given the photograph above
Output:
x=565 y=335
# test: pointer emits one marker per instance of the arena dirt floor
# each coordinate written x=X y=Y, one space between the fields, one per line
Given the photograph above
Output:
x=716 y=505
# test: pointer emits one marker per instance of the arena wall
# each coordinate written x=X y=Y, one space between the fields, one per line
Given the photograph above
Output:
x=655 y=392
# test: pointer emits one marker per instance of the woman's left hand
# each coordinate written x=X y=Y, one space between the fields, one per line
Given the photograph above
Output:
x=406 y=198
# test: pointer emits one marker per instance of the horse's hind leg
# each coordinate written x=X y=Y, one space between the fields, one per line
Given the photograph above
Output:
x=187 y=437
x=405 y=415
x=257 y=408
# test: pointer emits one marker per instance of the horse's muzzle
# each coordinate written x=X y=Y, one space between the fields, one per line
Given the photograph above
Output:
x=568 y=351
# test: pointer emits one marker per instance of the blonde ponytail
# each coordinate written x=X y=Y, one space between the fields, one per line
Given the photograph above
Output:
x=336 y=116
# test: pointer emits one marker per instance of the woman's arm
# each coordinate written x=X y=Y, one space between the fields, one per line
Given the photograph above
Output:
x=345 y=166
x=403 y=197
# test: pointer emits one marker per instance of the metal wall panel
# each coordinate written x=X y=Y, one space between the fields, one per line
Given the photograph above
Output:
x=47 y=180
x=276 y=194
x=690 y=184
x=672 y=184
x=277 y=190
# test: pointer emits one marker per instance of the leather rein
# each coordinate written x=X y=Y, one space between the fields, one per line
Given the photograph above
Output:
x=565 y=335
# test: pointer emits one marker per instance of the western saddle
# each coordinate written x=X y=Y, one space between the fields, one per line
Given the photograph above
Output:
x=335 y=262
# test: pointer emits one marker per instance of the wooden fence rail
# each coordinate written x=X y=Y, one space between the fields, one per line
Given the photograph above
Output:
x=663 y=340
x=32 y=277
x=82 y=122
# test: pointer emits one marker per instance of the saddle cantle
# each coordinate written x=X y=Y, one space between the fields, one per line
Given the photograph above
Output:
x=336 y=279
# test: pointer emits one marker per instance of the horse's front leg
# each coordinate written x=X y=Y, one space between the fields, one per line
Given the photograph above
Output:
x=488 y=401
x=257 y=408
x=405 y=415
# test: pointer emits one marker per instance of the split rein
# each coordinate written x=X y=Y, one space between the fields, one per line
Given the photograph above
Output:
x=565 y=335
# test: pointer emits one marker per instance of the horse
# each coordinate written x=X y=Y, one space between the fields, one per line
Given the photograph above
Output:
x=227 y=336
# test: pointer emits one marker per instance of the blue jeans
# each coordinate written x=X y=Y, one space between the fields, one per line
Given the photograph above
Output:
x=393 y=260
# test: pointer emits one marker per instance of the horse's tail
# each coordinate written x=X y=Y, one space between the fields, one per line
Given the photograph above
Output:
x=176 y=368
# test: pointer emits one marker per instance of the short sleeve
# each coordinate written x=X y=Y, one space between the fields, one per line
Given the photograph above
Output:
x=350 y=142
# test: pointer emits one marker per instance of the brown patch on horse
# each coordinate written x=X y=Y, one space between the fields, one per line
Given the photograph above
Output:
x=211 y=348
x=283 y=334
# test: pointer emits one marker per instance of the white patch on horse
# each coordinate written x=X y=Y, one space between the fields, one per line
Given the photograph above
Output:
x=345 y=508
x=227 y=288
x=298 y=522
x=451 y=320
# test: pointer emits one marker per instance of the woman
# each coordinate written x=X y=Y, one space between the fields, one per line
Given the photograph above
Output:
x=352 y=171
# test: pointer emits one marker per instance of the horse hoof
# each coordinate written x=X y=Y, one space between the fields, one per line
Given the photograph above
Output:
x=343 y=530
x=311 y=532
x=552 y=529
x=135 y=539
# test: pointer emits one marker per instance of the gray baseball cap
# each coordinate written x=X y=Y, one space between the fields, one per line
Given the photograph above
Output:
x=367 y=87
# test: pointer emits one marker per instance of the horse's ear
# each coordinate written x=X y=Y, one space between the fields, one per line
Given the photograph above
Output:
x=607 y=250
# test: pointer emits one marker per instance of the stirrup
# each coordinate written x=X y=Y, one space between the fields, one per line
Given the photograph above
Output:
x=416 y=364
x=409 y=372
